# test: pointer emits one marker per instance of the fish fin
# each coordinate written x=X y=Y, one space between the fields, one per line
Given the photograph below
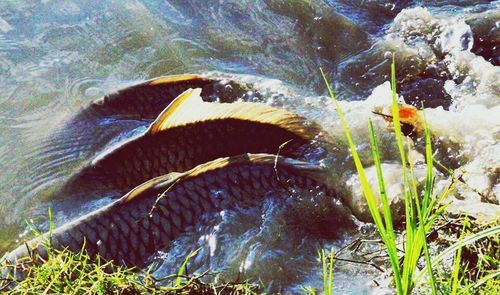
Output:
x=310 y=170
x=189 y=108
x=303 y=168
x=152 y=186
x=186 y=99
x=161 y=184
x=173 y=79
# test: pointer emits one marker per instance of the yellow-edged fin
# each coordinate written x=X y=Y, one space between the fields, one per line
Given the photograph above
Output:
x=310 y=170
x=174 y=79
x=151 y=186
x=162 y=183
x=189 y=108
x=300 y=167
x=190 y=96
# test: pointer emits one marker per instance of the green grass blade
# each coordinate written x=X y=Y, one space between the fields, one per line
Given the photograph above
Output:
x=429 y=181
x=365 y=185
x=367 y=191
x=456 y=262
x=330 y=272
x=386 y=209
x=182 y=268
x=321 y=254
x=428 y=262
x=467 y=241
x=409 y=210
x=422 y=212
x=483 y=280
x=390 y=238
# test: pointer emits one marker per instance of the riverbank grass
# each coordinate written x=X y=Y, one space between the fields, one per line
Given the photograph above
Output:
x=422 y=210
x=65 y=272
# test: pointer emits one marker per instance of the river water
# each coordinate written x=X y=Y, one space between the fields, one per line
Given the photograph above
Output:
x=57 y=56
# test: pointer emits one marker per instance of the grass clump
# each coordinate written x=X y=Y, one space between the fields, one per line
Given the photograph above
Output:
x=476 y=266
x=65 y=272
x=419 y=214
x=422 y=209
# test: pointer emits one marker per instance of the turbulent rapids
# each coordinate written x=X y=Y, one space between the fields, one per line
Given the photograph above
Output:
x=96 y=106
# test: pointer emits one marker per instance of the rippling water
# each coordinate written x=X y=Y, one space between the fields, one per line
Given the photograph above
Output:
x=57 y=56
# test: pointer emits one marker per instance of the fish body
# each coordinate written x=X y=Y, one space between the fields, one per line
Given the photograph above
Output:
x=190 y=132
x=146 y=100
x=93 y=128
x=152 y=215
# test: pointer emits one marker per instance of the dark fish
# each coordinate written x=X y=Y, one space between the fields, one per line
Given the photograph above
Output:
x=152 y=215
x=93 y=128
x=190 y=132
x=148 y=99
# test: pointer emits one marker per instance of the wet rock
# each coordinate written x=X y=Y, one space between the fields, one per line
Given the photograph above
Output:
x=482 y=212
x=486 y=33
x=371 y=68
x=301 y=10
x=428 y=92
x=331 y=35
x=338 y=37
x=380 y=8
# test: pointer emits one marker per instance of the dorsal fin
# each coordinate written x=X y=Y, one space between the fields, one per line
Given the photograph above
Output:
x=303 y=168
x=162 y=183
x=152 y=186
x=185 y=100
x=174 y=79
x=189 y=108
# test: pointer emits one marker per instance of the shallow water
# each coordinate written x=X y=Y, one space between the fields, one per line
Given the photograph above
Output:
x=57 y=56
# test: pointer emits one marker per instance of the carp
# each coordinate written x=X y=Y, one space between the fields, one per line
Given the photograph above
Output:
x=152 y=215
x=93 y=128
x=190 y=132
x=146 y=100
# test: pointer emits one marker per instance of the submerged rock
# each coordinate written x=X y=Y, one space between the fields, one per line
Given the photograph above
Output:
x=486 y=32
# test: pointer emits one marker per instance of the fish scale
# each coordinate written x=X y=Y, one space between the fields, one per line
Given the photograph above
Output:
x=142 y=223
x=245 y=136
x=146 y=100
